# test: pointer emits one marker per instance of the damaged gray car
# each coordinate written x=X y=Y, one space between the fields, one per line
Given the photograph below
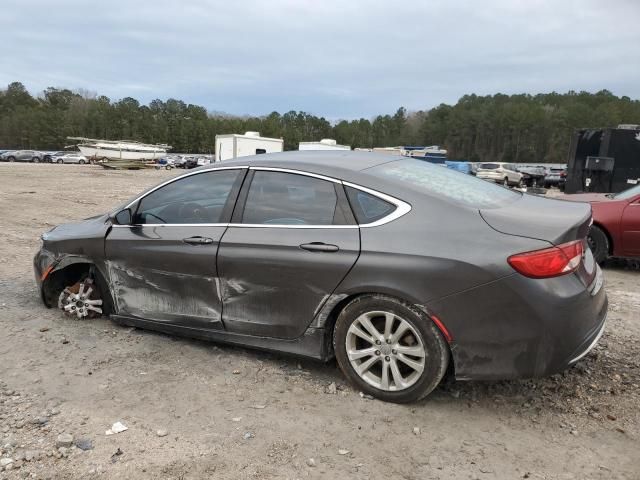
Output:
x=401 y=269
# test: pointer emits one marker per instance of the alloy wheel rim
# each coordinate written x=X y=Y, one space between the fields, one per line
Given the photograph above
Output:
x=81 y=300
x=385 y=351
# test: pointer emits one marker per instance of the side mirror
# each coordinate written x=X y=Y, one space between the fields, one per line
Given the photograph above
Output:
x=123 y=217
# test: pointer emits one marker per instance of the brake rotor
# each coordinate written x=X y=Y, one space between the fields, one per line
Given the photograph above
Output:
x=81 y=300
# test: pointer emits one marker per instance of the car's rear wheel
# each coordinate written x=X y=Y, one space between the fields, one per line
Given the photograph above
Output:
x=35 y=159
x=598 y=243
x=389 y=349
x=12 y=159
x=60 y=161
x=81 y=162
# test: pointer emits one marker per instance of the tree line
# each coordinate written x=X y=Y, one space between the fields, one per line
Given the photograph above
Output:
x=509 y=128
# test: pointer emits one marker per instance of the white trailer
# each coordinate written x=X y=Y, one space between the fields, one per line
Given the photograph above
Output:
x=233 y=145
x=324 y=144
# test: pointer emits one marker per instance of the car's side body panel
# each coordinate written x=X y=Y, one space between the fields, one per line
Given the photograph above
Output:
x=630 y=228
x=154 y=274
x=271 y=286
x=619 y=218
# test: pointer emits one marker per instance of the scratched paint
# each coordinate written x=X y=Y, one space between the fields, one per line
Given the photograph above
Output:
x=169 y=296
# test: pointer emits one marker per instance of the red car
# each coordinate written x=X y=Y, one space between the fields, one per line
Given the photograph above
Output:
x=616 y=222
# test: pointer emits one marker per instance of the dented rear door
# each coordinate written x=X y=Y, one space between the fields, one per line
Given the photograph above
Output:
x=292 y=241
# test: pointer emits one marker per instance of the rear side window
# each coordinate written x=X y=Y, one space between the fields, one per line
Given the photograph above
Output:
x=366 y=207
x=445 y=183
x=278 y=198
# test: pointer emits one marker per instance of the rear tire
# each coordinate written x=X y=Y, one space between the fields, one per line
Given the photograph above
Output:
x=11 y=159
x=420 y=344
x=598 y=243
x=35 y=159
x=60 y=160
x=81 y=162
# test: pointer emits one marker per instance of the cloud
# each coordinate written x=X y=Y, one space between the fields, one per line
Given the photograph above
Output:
x=333 y=58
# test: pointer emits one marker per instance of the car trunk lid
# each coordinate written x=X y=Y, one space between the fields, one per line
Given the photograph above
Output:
x=545 y=219
x=554 y=221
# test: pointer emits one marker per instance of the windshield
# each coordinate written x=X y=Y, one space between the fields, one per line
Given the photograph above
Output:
x=627 y=194
x=446 y=183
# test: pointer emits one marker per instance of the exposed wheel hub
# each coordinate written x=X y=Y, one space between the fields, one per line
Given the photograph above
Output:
x=81 y=300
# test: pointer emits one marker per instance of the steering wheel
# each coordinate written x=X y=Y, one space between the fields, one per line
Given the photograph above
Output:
x=192 y=211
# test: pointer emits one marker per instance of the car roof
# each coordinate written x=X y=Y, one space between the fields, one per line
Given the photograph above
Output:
x=339 y=164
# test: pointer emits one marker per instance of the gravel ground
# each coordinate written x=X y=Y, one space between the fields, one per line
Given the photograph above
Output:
x=200 y=410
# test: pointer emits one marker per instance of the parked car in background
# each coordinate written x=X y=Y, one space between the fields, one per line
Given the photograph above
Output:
x=563 y=180
x=22 y=156
x=193 y=162
x=49 y=156
x=554 y=176
x=616 y=222
x=532 y=175
x=74 y=157
x=167 y=163
x=499 y=172
x=395 y=266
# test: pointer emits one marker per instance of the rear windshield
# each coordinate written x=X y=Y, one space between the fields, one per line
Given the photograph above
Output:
x=489 y=166
x=446 y=183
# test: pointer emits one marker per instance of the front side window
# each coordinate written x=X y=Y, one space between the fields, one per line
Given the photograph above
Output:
x=197 y=198
x=278 y=198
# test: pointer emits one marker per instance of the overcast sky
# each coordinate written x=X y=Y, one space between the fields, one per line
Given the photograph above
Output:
x=340 y=59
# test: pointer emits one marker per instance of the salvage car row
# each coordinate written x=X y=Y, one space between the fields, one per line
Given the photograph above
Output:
x=35 y=156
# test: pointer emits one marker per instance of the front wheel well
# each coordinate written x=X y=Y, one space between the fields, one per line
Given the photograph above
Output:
x=59 y=279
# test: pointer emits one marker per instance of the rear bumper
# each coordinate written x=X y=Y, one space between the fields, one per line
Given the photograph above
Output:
x=490 y=175
x=521 y=328
x=592 y=341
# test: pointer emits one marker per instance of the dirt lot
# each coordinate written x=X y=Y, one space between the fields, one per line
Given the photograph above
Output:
x=234 y=413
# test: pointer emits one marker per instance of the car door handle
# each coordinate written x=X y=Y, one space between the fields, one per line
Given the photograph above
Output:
x=198 y=240
x=319 y=247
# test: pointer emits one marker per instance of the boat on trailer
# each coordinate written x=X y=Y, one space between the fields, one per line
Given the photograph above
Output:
x=96 y=149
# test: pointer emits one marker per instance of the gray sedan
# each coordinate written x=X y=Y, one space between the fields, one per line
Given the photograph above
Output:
x=70 y=158
x=401 y=269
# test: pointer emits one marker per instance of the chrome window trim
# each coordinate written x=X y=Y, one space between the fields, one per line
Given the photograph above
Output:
x=402 y=207
x=184 y=175
x=267 y=225
x=172 y=225
x=296 y=172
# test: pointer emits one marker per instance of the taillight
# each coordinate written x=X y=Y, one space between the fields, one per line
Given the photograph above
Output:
x=549 y=262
